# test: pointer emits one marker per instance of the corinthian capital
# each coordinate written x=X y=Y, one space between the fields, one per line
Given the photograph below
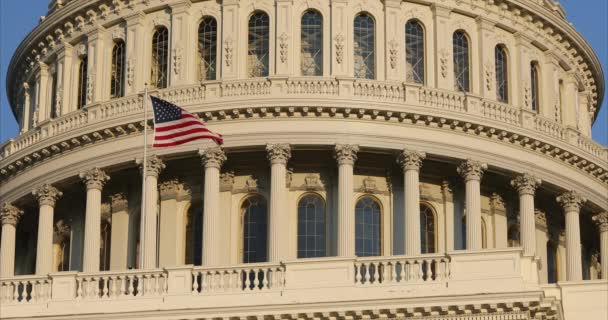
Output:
x=46 y=194
x=346 y=153
x=526 y=183
x=411 y=159
x=94 y=178
x=571 y=200
x=472 y=170
x=119 y=202
x=601 y=220
x=154 y=166
x=10 y=214
x=212 y=157
x=278 y=152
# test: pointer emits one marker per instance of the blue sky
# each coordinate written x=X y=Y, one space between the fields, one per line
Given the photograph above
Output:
x=18 y=17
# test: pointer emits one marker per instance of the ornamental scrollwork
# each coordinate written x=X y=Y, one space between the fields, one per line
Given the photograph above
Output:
x=177 y=60
x=10 y=214
x=443 y=60
x=46 y=194
x=571 y=201
x=526 y=183
x=540 y=218
x=601 y=220
x=278 y=152
x=228 y=51
x=346 y=153
x=212 y=157
x=339 y=43
x=393 y=53
x=497 y=201
x=472 y=169
x=94 y=178
x=489 y=72
x=154 y=166
x=411 y=159
x=283 y=47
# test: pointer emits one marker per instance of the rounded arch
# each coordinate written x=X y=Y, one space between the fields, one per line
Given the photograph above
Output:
x=254 y=228
x=501 y=72
x=428 y=228
x=415 y=49
x=364 y=45
x=368 y=226
x=312 y=223
x=461 y=52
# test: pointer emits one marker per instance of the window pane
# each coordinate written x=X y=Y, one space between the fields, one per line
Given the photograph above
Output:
x=534 y=88
x=461 y=61
x=414 y=52
x=207 y=48
x=502 y=86
x=427 y=229
x=367 y=227
x=54 y=101
x=160 y=56
x=255 y=235
x=312 y=44
x=311 y=227
x=82 y=82
x=364 y=46
x=257 y=57
x=118 y=70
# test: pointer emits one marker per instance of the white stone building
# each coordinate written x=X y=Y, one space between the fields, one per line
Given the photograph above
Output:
x=384 y=159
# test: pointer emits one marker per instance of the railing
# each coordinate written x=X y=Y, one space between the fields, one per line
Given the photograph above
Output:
x=106 y=285
x=248 y=278
x=25 y=289
x=427 y=268
x=366 y=89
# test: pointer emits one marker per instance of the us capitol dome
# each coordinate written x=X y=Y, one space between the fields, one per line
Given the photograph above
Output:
x=383 y=159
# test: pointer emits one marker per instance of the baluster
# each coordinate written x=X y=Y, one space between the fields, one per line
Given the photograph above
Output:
x=35 y=291
x=156 y=284
x=256 y=279
x=358 y=267
x=247 y=279
x=79 y=288
x=266 y=273
x=106 y=286
x=420 y=270
x=204 y=284
x=194 y=282
x=384 y=272
x=365 y=274
x=222 y=284
x=96 y=281
x=393 y=271
x=131 y=287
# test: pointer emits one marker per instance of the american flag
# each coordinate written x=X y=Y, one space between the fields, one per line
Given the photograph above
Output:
x=174 y=126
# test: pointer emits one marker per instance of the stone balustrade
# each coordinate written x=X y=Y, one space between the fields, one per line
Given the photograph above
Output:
x=399 y=270
x=246 y=278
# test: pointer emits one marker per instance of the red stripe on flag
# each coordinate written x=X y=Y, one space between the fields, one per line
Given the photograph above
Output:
x=181 y=133
x=176 y=143
x=177 y=126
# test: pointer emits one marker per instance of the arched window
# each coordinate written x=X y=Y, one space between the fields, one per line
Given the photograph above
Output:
x=502 y=80
x=552 y=262
x=257 y=51
x=82 y=82
x=160 y=58
x=311 y=227
x=255 y=226
x=54 y=101
x=534 y=86
x=117 y=75
x=427 y=229
x=311 y=53
x=367 y=227
x=364 y=46
x=207 y=48
x=462 y=73
x=414 y=52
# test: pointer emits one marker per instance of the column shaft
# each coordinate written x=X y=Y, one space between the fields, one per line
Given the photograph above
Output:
x=346 y=217
x=473 y=215
x=574 y=267
x=44 y=247
x=211 y=218
x=277 y=212
x=7 y=251
x=412 y=212
x=604 y=253
x=149 y=247
x=92 y=231
x=527 y=223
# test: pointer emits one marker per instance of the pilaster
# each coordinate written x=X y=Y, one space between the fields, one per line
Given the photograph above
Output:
x=230 y=39
x=443 y=47
x=183 y=49
x=172 y=223
x=284 y=40
x=340 y=38
x=135 y=43
x=66 y=84
x=119 y=208
x=96 y=65
x=25 y=119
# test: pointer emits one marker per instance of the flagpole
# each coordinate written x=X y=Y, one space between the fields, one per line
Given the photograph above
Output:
x=142 y=230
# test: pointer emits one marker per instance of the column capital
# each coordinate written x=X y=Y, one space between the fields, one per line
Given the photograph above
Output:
x=213 y=157
x=346 y=153
x=94 y=178
x=601 y=221
x=119 y=202
x=526 y=183
x=411 y=159
x=61 y=231
x=472 y=169
x=154 y=166
x=278 y=152
x=10 y=214
x=46 y=194
x=571 y=200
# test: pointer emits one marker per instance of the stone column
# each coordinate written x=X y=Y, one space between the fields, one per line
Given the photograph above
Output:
x=601 y=220
x=526 y=185
x=94 y=179
x=61 y=232
x=472 y=172
x=572 y=201
x=47 y=197
x=278 y=155
x=119 y=238
x=10 y=216
x=346 y=156
x=147 y=242
x=542 y=238
x=212 y=159
x=411 y=161
x=448 y=210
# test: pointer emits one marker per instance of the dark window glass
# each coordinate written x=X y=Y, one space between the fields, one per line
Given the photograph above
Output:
x=311 y=227
x=117 y=75
x=427 y=229
x=551 y=262
x=364 y=45
x=257 y=51
x=414 y=52
x=367 y=227
x=311 y=60
x=502 y=81
x=534 y=86
x=160 y=58
x=207 y=48
x=461 y=61
x=255 y=226
x=54 y=100
x=82 y=82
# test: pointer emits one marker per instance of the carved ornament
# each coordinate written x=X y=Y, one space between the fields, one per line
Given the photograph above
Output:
x=411 y=159
x=10 y=214
x=571 y=201
x=94 y=178
x=526 y=183
x=278 y=152
x=472 y=169
x=346 y=153
x=46 y=194
x=212 y=157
